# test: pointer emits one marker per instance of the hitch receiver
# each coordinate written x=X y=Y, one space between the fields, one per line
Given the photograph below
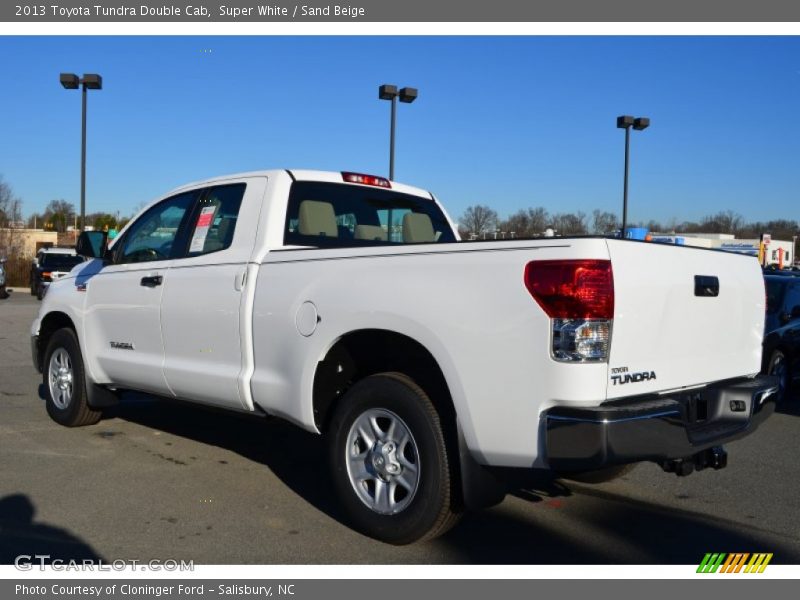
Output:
x=715 y=458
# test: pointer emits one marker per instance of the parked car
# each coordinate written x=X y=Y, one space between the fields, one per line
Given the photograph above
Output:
x=782 y=354
x=51 y=264
x=3 y=290
x=782 y=330
x=344 y=304
x=783 y=294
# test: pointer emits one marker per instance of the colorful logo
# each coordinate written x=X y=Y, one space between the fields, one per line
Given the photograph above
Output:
x=734 y=563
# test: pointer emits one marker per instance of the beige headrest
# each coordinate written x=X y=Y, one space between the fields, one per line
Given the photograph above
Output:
x=370 y=232
x=417 y=227
x=317 y=218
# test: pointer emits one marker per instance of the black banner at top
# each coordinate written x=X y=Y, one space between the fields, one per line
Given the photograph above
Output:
x=463 y=11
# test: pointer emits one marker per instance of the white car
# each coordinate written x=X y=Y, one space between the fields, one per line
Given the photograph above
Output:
x=346 y=304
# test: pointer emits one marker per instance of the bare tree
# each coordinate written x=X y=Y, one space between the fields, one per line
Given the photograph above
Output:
x=10 y=216
x=6 y=198
x=570 y=223
x=60 y=213
x=654 y=226
x=527 y=223
x=604 y=222
x=479 y=219
x=723 y=222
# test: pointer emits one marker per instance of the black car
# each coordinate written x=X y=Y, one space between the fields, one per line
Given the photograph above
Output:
x=782 y=352
x=50 y=266
x=783 y=295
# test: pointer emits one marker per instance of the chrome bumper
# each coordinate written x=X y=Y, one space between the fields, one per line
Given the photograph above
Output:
x=659 y=428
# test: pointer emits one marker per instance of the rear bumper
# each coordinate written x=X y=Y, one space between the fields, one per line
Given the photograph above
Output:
x=657 y=428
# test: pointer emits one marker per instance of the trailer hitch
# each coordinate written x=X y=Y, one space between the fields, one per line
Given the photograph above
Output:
x=715 y=458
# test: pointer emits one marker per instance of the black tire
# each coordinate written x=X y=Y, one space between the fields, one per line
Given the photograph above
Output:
x=3 y=293
x=74 y=412
x=779 y=365
x=430 y=510
x=33 y=288
x=40 y=292
x=601 y=475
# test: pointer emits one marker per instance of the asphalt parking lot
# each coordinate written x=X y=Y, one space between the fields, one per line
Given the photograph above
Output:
x=160 y=480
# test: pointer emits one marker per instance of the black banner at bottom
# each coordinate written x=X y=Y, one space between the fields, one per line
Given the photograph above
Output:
x=382 y=589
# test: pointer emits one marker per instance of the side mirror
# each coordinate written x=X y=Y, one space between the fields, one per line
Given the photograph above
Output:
x=92 y=244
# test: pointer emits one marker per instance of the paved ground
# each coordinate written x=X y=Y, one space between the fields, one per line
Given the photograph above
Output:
x=157 y=480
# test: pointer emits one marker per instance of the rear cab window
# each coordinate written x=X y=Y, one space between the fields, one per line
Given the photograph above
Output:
x=215 y=219
x=334 y=215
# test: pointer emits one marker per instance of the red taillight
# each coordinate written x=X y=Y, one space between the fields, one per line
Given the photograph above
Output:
x=366 y=179
x=46 y=275
x=572 y=289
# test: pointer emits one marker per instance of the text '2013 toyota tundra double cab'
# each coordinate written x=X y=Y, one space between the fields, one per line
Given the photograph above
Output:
x=344 y=303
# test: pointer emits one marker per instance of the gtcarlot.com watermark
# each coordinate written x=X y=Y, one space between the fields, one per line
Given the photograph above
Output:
x=28 y=562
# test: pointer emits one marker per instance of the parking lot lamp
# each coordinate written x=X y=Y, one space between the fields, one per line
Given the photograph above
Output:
x=89 y=81
x=626 y=122
x=390 y=92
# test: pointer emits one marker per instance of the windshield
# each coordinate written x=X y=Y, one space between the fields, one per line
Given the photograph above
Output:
x=60 y=262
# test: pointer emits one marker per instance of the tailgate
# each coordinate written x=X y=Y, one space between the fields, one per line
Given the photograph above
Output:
x=668 y=335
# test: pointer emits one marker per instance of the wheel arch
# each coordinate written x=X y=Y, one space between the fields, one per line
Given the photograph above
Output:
x=360 y=353
x=50 y=323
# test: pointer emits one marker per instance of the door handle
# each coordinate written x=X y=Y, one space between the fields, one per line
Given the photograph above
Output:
x=151 y=281
x=706 y=285
x=240 y=280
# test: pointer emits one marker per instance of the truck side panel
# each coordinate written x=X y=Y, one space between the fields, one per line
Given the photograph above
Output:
x=467 y=305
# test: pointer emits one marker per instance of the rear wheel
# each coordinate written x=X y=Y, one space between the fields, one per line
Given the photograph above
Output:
x=779 y=366
x=65 y=382
x=40 y=292
x=389 y=461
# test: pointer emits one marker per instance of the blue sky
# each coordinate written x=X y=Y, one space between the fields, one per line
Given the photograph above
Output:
x=511 y=122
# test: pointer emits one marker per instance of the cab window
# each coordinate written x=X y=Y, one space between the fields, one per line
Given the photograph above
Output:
x=152 y=236
x=214 y=220
x=329 y=215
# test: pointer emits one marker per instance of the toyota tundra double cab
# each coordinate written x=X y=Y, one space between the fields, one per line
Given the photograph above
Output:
x=345 y=304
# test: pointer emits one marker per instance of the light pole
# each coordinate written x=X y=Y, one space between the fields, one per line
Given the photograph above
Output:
x=90 y=81
x=625 y=122
x=389 y=92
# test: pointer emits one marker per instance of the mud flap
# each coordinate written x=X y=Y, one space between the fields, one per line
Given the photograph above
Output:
x=480 y=487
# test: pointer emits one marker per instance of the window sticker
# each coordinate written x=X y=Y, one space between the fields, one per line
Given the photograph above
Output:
x=201 y=229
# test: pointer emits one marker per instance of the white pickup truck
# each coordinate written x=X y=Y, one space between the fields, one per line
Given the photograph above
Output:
x=345 y=304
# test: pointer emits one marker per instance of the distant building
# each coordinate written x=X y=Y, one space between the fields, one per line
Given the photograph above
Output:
x=26 y=242
x=778 y=252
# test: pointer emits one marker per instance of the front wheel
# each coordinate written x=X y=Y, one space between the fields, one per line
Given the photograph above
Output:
x=3 y=292
x=389 y=461
x=65 y=382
